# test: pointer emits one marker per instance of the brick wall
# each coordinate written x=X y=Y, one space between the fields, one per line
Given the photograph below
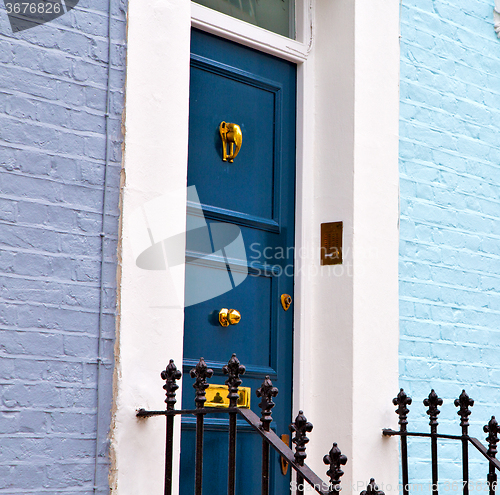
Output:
x=450 y=217
x=53 y=81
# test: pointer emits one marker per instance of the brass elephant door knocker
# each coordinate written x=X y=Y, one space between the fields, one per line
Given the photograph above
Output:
x=231 y=136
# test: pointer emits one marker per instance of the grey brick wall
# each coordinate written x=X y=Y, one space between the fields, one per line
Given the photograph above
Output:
x=53 y=86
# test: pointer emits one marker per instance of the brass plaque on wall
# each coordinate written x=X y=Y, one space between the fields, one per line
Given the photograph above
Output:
x=331 y=243
x=217 y=396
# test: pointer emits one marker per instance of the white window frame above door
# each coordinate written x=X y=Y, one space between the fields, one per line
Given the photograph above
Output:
x=242 y=32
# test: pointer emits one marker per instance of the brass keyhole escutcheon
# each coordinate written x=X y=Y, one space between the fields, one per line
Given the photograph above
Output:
x=286 y=301
x=283 y=462
x=229 y=317
x=231 y=138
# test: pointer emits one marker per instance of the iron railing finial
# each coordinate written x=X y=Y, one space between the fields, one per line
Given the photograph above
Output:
x=171 y=374
x=201 y=372
x=233 y=369
x=266 y=392
x=335 y=459
x=372 y=488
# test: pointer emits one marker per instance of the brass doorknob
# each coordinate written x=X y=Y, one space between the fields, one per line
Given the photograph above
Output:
x=229 y=317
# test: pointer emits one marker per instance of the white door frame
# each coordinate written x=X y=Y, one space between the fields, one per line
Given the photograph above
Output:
x=347 y=169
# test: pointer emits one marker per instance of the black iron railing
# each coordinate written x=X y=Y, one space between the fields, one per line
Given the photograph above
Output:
x=299 y=428
x=464 y=402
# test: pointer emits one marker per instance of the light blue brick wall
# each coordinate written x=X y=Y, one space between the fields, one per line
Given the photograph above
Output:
x=53 y=81
x=450 y=218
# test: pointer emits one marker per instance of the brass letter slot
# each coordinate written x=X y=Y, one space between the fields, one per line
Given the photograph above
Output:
x=217 y=396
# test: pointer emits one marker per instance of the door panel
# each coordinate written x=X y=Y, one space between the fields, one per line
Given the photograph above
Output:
x=255 y=193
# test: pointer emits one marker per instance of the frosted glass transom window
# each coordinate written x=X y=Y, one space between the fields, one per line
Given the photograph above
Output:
x=277 y=16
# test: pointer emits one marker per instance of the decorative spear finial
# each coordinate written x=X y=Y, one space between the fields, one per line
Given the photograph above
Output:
x=492 y=429
x=300 y=427
x=266 y=391
x=335 y=459
x=372 y=488
x=170 y=375
x=432 y=402
x=233 y=369
x=464 y=402
x=201 y=373
x=402 y=400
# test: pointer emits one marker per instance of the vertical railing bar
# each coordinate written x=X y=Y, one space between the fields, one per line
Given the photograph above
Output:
x=434 y=461
x=492 y=429
x=171 y=374
x=265 y=468
x=266 y=392
x=402 y=401
x=198 y=479
x=300 y=427
x=465 y=464
x=404 y=463
x=432 y=402
x=201 y=372
x=232 y=455
x=233 y=369
x=464 y=402
x=169 y=455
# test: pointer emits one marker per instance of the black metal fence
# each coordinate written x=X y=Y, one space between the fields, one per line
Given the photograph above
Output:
x=299 y=428
x=464 y=403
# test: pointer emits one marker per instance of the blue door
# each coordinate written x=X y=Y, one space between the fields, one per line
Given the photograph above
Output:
x=246 y=261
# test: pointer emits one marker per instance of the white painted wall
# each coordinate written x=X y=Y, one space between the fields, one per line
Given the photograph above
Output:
x=155 y=166
x=346 y=317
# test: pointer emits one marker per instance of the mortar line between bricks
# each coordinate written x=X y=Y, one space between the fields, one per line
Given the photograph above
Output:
x=82 y=283
x=432 y=283
x=484 y=235
x=442 y=323
x=445 y=168
x=64 y=307
x=486 y=255
x=55 y=26
x=55 y=154
x=451 y=153
x=439 y=18
x=473 y=309
x=59 y=103
x=419 y=200
x=88 y=386
x=434 y=360
x=58 y=255
x=25 y=226
x=445 y=381
x=69 y=206
x=54 y=127
x=59 y=27
x=417 y=65
x=67 y=359
x=49 y=434
x=430 y=340
x=8 y=67
x=444 y=187
x=438 y=110
x=446 y=132
x=440 y=93
x=451 y=41
x=54 y=332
